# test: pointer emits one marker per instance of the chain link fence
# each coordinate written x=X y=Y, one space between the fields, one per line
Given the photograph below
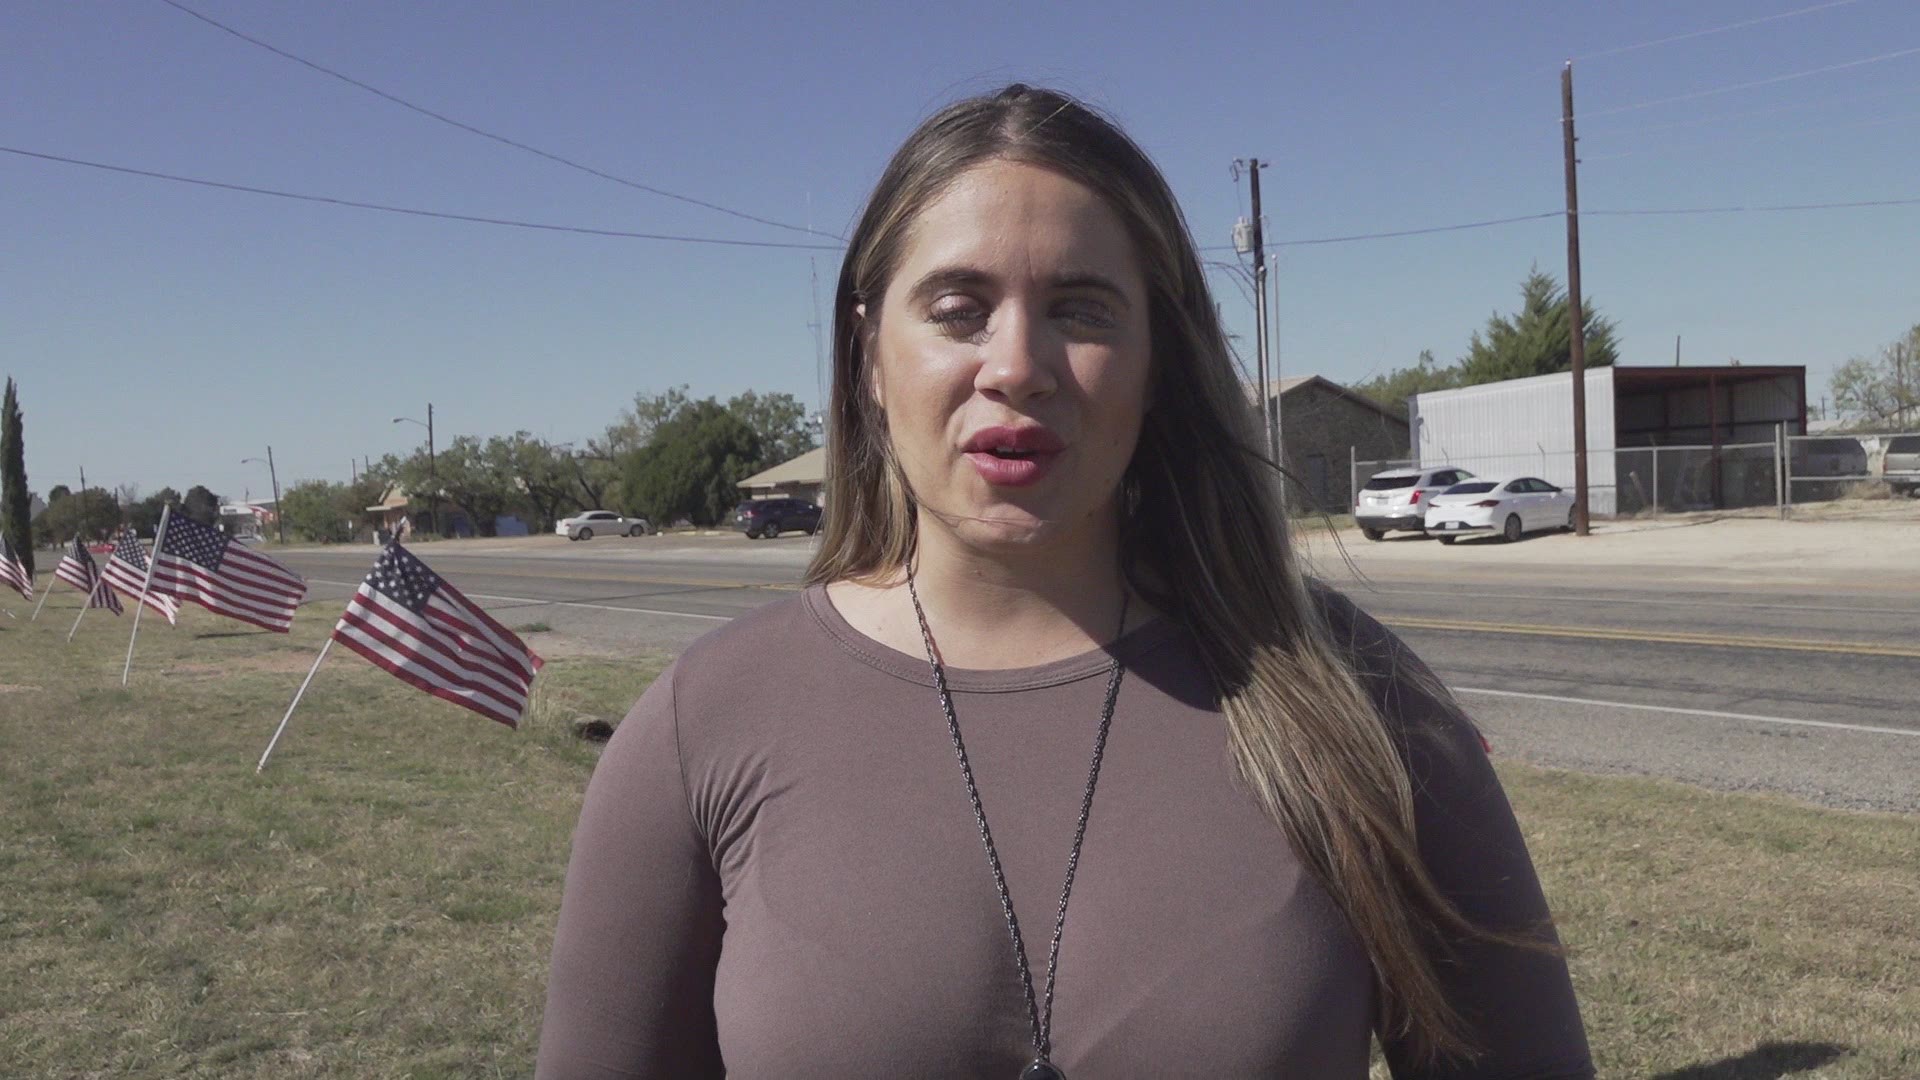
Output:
x=1777 y=475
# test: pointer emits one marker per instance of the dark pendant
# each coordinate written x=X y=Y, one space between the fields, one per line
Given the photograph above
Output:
x=1042 y=1070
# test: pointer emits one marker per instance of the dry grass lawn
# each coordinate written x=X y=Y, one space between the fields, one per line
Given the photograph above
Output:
x=380 y=903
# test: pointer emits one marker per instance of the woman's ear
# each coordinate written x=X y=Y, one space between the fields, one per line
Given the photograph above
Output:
x=864 y=334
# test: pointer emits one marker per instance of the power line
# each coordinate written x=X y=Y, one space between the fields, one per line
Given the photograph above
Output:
x=1772 y=136
x=1781 y=208
x=485 y=134
x=1698 y=121
x=415 y=211
x=1717 y=90
x=717 y=241
x=1743 y=24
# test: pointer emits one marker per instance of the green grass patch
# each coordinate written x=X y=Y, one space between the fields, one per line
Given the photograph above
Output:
x=380 y=903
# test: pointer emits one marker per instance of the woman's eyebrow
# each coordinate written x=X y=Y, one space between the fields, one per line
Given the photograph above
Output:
x=963 y=276
x=946 y=277
x=1090 y=279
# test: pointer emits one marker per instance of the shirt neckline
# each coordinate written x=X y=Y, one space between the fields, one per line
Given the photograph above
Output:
x=1127 y=648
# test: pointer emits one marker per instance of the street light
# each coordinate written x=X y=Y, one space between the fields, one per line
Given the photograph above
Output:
x=433 y=474
x=279 y=519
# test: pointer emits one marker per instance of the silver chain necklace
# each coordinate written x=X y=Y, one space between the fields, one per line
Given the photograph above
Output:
x=1039 y=1014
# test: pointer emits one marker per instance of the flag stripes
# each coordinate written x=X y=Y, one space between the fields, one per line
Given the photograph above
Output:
x=126 y=570
x=199 y=563
x=13 y=572
x=78 y=569
x=410 y=622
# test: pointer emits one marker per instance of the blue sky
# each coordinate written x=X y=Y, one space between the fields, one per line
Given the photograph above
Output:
x=162 y=332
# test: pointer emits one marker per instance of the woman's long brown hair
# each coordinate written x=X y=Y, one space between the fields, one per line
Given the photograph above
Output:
x=1308 y=740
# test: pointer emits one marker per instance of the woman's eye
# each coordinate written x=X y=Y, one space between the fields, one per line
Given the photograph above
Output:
x=1090 y=313
x=957 y=317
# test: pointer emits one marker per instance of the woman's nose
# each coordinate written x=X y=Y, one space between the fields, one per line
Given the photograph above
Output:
x=1019 y=358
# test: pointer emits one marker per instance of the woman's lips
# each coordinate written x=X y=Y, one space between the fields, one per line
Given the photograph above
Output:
x=1018 y=471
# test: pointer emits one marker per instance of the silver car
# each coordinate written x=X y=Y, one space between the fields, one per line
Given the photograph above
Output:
x=585 y=524
x=1397 y=499
x=1901 y=464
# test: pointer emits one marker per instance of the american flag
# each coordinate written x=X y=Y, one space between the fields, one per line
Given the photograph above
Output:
x=200 y=563
x=79 y=570
x=410 y=621
x=127 y=571
x=13 y=572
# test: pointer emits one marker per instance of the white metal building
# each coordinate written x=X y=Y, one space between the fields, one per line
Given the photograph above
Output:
x=1706 y=420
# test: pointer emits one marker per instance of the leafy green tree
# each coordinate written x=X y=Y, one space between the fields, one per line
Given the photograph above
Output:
x=1881 y=391
x=1395 y=387
x=323 y=511
x=478 y=482
x=779 y=420
x=201 y=505
x=144 y=514
x=692 y=465
x=543 y=473
x=91 y=514
x=60 y=491
x=1537 y=339
x=16 y=503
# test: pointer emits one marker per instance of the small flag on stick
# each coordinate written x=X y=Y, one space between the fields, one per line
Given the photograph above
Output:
x=200 y=563
x=126 y=571
x=410 y=621
x=78 y=569
x=13 y=572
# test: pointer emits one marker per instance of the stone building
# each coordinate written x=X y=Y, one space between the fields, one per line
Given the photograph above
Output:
x=1325 y=427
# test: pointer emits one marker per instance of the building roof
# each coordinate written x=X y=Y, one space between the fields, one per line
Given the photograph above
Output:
x=1297 y=382
x=808 y=468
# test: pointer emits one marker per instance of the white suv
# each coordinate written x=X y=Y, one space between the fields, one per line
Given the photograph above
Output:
x=586 y=523
x=1397 y=499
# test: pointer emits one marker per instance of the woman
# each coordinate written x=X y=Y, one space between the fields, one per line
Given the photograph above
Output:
x=1057 y=766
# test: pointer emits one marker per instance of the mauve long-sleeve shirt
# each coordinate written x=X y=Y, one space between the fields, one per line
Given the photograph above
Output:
x=777 y=874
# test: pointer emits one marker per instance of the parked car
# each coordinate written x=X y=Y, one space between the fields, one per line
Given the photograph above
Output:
x=760 y=518
x=1396 y=499
x=1511 y=508
x=1900 y=464
x=585 y=524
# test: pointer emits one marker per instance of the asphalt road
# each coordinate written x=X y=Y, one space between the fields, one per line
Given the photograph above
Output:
x=1812 y=692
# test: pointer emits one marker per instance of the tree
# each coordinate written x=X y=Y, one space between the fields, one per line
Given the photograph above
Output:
x=60 y=491
x=201 y=505
x=1537 y=339
x=144 y=515
x=691 y=466
x=1395 y=387
x=92 y=515
x=543 y=472
x=16 y=505
x=781 y=423
x=1881 y=391
x=323 y=511
x=479 y=483
x=598 y=470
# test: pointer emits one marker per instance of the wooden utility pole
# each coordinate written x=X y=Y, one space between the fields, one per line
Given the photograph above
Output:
x=1574 y=314
x=1269 y=404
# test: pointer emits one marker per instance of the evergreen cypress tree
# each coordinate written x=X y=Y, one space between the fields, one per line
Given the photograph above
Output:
x=16 y=511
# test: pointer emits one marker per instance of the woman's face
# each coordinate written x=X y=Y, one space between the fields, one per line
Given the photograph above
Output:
x=1012 y=357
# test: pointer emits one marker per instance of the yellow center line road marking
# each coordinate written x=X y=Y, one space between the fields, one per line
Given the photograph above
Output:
x=1660 y=637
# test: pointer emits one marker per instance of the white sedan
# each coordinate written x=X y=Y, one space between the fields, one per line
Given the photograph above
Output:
x=585 y=524
x=1511 y=508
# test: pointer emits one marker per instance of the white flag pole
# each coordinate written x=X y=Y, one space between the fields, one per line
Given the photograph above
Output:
x=153 y=560
x=297 y=695
x=99 y=582
x=43 y=599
